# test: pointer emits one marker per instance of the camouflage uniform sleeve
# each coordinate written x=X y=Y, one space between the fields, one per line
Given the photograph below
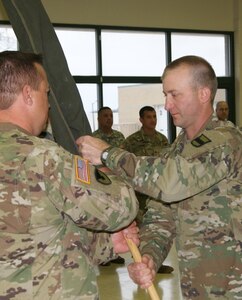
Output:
x=157 y=231
x=101 y=247
x=89 y=197
x=179 y=173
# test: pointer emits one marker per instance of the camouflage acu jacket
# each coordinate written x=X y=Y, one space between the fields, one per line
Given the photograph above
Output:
x=199 y=183
x=116 y=138
x=53 y=207
x=144 y=145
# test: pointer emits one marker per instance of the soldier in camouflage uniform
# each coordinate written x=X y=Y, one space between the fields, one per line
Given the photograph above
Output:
x=57 y=212
x=147 y=141
x=222 y=110
x=199 y=184
x=105 y=131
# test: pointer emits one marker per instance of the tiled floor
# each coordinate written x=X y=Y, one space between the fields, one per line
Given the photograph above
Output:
x=115 y=283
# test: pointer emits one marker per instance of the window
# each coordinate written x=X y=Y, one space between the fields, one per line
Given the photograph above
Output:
x=125 y=66
x=129 y=53
x=212 y=47
x=8 y=40
x=121 y=67
x=79 y=47
x=88 y=94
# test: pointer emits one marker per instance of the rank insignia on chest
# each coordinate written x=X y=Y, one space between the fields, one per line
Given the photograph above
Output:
x=82 y=170
x=200 y=141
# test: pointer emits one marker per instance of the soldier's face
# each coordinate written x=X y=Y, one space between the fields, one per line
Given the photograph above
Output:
x=105 y=118
x=182 y=100
x=222 y=111
x=149 y=120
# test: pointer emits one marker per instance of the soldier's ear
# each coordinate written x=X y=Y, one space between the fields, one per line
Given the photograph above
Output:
x=204 y=94
x=27 y=91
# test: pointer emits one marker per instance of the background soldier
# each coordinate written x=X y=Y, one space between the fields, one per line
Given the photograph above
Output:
x=147 y=142
x=222 y=110
x=105 y=131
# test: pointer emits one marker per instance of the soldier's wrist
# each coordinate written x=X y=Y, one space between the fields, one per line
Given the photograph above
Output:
x=104 y=155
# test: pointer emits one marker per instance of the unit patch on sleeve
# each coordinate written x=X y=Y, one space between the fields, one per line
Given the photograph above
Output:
x=200 y=141
x=82 y=170
x=102 y=177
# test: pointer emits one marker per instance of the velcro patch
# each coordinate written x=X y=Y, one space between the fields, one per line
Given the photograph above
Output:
x=200 y=141
x=82 y=170
x=102 y=177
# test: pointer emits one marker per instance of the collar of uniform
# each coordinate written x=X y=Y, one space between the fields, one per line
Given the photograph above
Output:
x=144 y=135
x=11 y=126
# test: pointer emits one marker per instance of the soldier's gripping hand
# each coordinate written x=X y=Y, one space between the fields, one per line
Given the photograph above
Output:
x=119 y=241
x=142 y=273
x=91 y=148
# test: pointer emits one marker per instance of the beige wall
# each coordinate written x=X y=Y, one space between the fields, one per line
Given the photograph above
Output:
x=189 y=14
x=225 y=15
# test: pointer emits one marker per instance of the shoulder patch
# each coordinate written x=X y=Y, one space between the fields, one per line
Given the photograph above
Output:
x=102 y=177
x=82 y=170
x=200 y=141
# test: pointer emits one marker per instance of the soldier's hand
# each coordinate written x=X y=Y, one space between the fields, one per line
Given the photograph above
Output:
x=142 y=273
x=119 y=241
x=91 y=148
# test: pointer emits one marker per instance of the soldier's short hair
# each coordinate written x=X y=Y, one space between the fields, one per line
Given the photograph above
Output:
x=144 y=109
x=103 y=108
x=17 y=69
x=203 y=74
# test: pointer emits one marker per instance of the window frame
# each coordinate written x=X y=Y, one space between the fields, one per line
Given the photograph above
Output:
x=225 y=82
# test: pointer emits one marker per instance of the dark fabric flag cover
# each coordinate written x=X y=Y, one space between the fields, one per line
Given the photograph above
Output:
x=35 y=33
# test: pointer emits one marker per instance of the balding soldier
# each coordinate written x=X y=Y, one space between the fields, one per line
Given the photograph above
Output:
x=199 y=184
x=57 y=211
x=222 y=110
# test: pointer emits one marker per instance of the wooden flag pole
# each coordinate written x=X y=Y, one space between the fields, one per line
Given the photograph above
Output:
x=137 y=258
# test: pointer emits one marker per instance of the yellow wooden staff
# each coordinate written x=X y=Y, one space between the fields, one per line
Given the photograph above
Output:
x=137 y=258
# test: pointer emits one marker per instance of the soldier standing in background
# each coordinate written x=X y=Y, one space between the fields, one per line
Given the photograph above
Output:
x=222 y=110
x=199 y=184
x=147 y=142
x=57 y=212
x=105 y=131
